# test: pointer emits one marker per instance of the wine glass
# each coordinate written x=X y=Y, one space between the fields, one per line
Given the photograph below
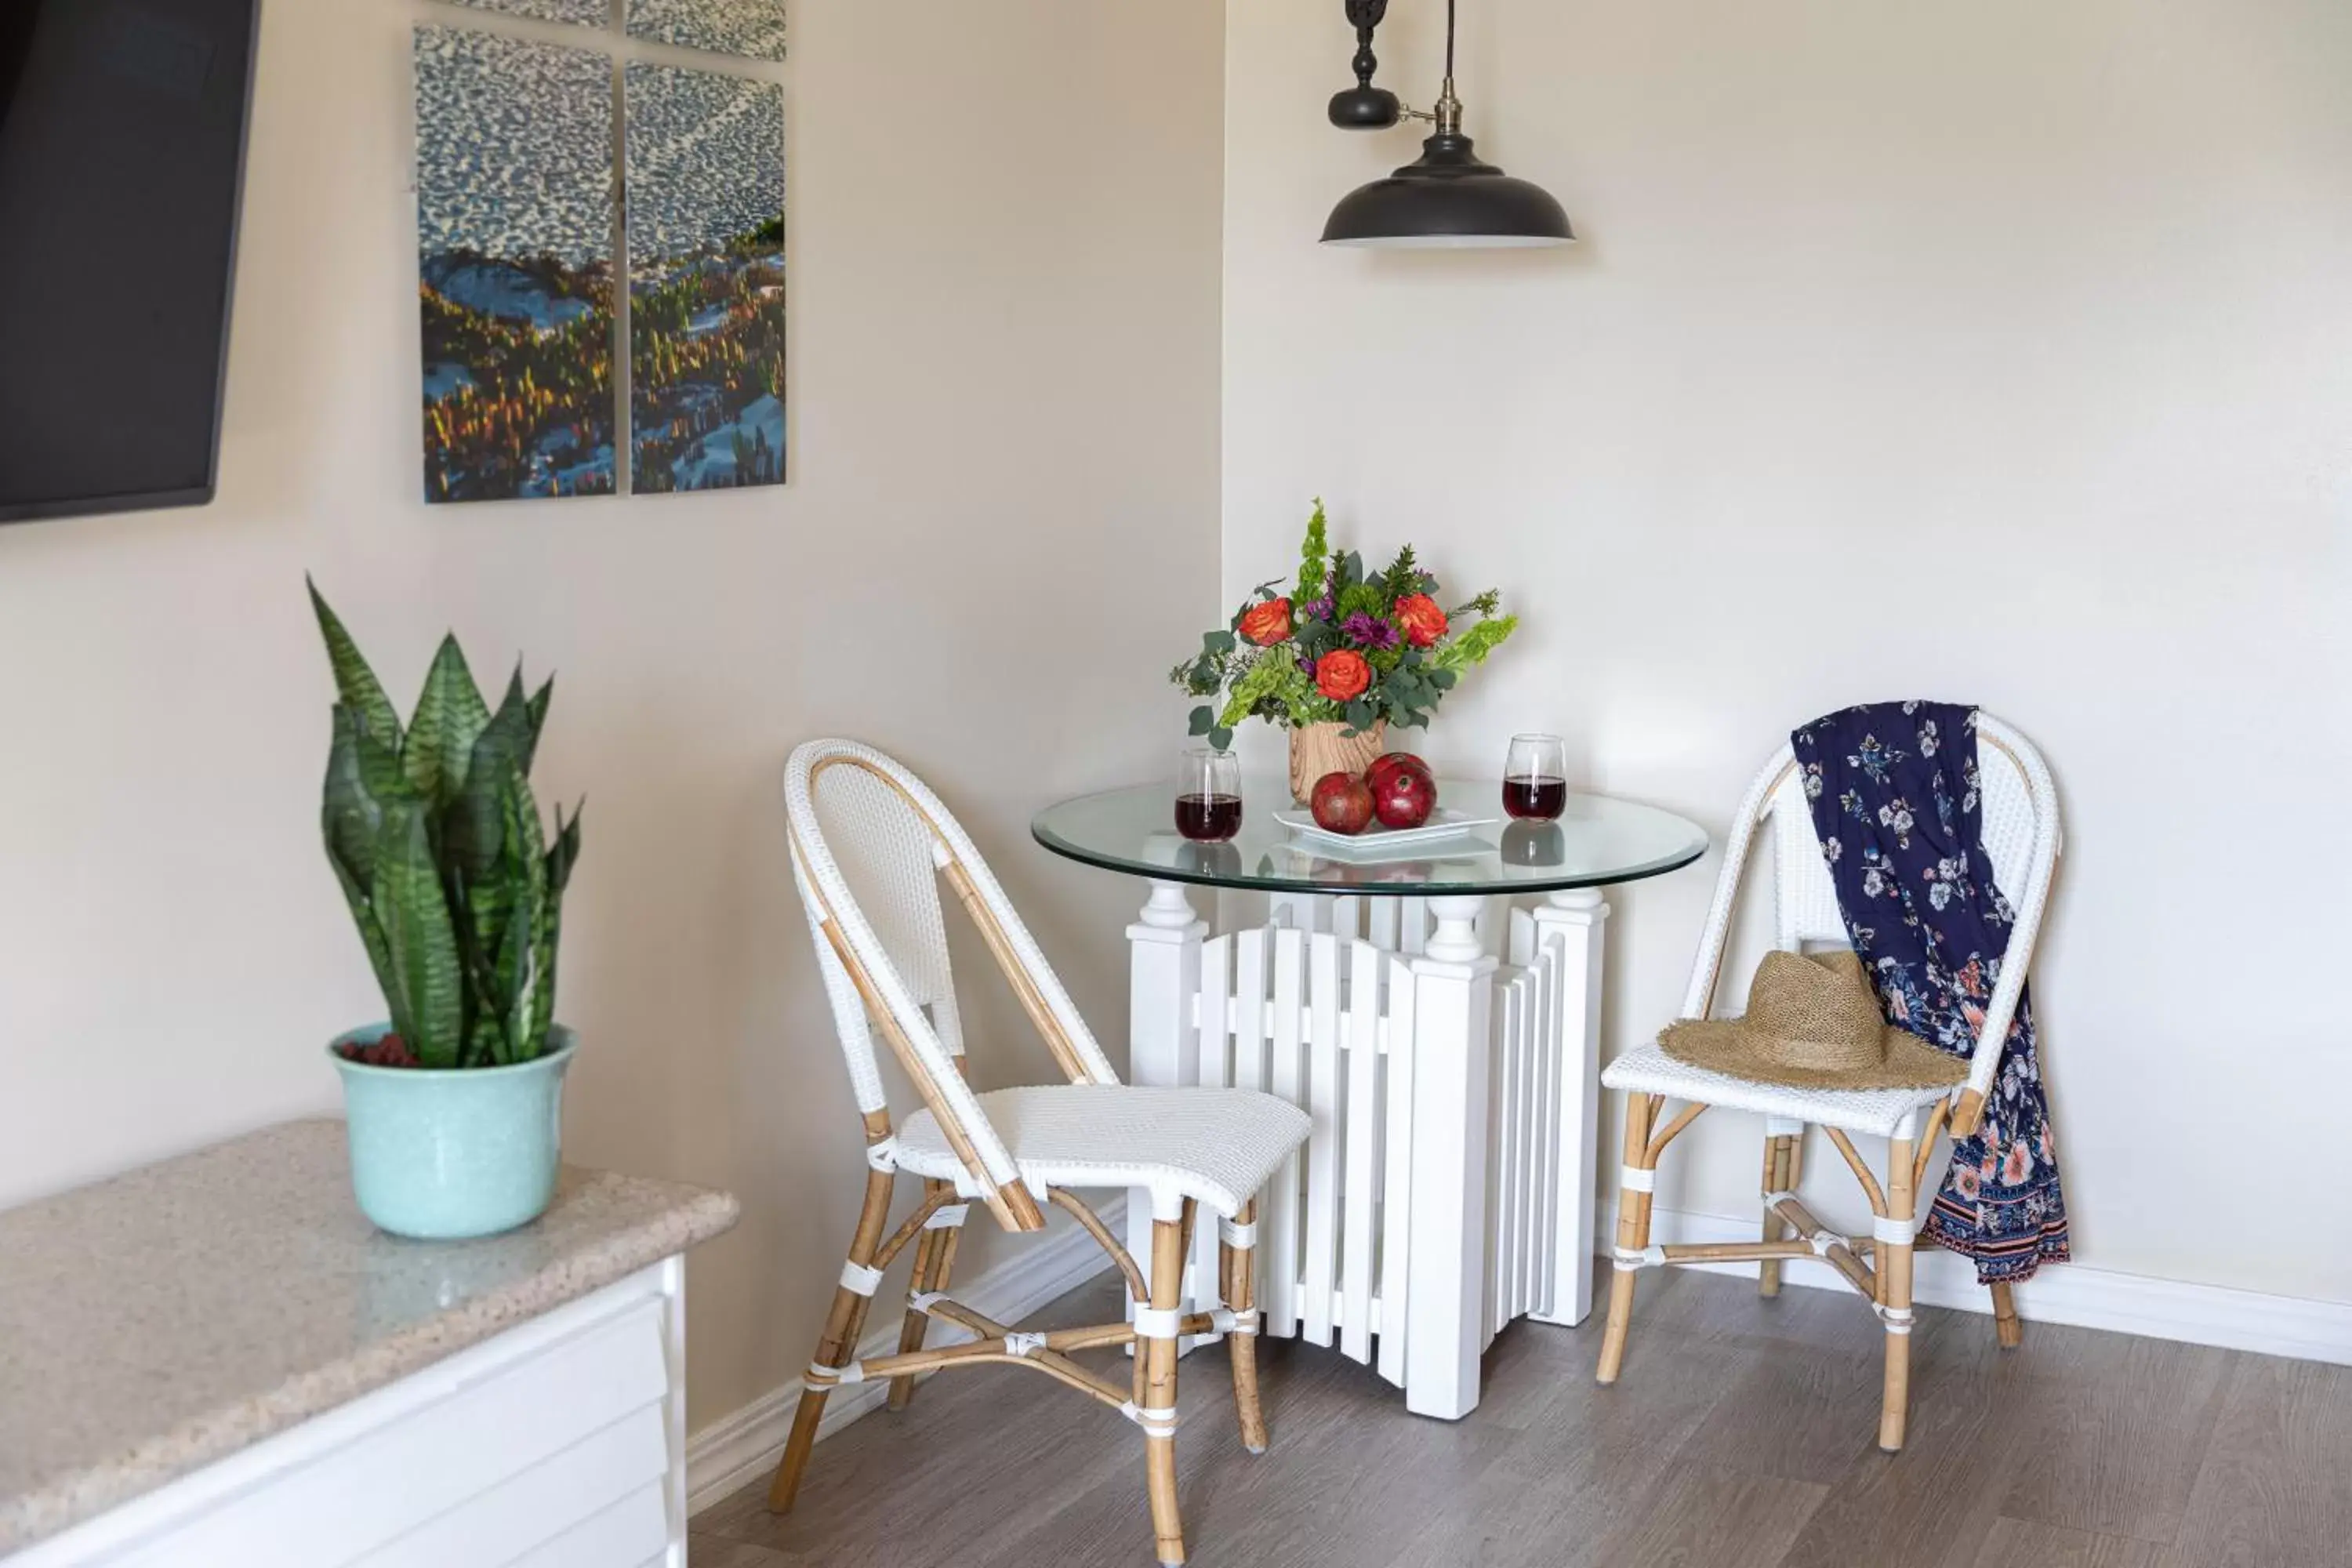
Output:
x=1534 y=777
x=1207 y=794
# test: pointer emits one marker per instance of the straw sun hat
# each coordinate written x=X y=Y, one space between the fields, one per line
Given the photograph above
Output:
x=1812 y=1021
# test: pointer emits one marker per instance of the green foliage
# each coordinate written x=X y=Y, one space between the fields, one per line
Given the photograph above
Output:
x=435 y=837
x=1314 y=559
x=1472 y=645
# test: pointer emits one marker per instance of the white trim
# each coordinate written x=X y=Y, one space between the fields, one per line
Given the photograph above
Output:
x=2069 y=1293
x=730 y=1453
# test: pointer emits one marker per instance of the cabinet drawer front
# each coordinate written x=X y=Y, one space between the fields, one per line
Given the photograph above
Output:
x=625 y=1534
x=524 y=1511
x=357 y=1499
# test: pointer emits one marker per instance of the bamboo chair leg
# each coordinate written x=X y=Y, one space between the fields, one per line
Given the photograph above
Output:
x=1157 y=1381
x=1237 y=1265
x=1893 y=1261
x=1632 y=1234
x=843 y=1325
x=934 y=1262
x=2005 y=1321
x=1776 y=1180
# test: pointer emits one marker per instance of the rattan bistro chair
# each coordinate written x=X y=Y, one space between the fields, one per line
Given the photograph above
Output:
x=2022 y=837
x=869 y=843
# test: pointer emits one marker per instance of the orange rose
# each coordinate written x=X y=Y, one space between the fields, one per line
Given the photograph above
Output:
x=1267 y=624
x=1422 y=621
x=1343 y=676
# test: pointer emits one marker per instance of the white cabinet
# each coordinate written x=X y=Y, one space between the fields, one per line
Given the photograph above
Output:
x=560 y=1443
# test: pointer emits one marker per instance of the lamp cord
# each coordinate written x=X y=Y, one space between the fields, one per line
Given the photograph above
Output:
x=1449 y=40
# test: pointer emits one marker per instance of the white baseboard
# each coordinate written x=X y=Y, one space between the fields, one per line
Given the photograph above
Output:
x=736 y=1449
x=2065 y=1293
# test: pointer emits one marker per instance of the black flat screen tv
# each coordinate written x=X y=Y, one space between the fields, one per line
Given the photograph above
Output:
x=121 y=155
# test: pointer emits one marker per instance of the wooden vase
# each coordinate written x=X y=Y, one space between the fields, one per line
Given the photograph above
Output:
x=1327 y=748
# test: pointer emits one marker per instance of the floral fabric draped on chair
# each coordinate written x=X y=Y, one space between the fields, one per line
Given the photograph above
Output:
x=1894 y=795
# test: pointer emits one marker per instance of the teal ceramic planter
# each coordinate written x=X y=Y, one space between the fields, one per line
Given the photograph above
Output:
x=442 y=1155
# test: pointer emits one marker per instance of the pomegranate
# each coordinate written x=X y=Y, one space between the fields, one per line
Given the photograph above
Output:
x=1341 y=802
x=1387 y=763
x=1405 y=798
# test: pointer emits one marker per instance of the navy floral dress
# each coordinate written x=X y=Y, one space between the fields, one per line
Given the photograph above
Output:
x=1895 y=800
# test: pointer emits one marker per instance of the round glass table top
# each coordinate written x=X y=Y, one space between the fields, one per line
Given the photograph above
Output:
x=1596 y=842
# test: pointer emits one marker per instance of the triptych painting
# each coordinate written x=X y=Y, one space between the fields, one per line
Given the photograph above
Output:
x=521 y=247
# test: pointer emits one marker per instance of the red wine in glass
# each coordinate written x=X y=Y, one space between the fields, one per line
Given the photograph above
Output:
x=1208 y=818
x=1534 y=777
x=1535 y=799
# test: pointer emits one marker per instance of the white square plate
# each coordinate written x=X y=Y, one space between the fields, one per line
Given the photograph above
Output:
x=1443 y=829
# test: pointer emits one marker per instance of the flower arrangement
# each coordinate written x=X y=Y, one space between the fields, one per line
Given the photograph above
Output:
x=1342 y=647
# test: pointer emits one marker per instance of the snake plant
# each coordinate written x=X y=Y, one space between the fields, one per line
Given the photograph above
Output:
x=435 y=835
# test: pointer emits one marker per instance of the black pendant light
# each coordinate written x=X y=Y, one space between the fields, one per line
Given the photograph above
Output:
x=1448 y=197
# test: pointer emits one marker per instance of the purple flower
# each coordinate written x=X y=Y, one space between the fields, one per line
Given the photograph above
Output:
x=1365 y=632
x=1319 y=609
x=1307 y=667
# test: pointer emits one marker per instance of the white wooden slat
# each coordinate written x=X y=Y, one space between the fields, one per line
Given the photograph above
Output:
x=1396 y=1173
x=1530 y=1047
x=1502 y=1157
x=1347 y=920
x=1359 y=1177
x=336 y=1506
x=1522 y=954
x=1322 y=1212
x=1546 y=1091
x=500 y=1525
x=1412 y=936
x=1221 y=1014
x=621 y=1536
x=1278 y=1283
x=1217 y=1070
x=1381 y=923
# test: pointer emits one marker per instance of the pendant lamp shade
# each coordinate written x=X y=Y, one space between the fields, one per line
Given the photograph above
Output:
x=1448 y=198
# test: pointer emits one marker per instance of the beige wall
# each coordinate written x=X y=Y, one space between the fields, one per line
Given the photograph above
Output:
x=1998 y=352
x=1001 y=528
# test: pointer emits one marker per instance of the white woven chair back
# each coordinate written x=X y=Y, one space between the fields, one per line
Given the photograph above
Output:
x=870 y=843
x=2022 y=837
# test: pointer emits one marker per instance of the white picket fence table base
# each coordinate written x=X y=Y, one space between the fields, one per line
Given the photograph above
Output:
x=1447 y=1049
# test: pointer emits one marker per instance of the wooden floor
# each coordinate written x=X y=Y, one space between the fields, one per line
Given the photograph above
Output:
x=1743 y=1432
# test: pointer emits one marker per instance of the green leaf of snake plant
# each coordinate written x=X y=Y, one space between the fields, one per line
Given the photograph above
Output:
x=565 y=853
x=475 y=824
x=534 y=997
x=428 y=990
x=364 y=916
x=349 y=815
x=539 y=702
x=449 y=715
x=354 y=680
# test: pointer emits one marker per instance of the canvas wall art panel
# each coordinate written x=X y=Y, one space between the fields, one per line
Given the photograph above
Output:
x=752 y=28
x=515 y=219
x=587 y=13
x=706 y=242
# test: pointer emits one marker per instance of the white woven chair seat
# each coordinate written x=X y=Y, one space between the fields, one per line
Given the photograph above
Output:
x=1216 y=1145
x=1647 y=1069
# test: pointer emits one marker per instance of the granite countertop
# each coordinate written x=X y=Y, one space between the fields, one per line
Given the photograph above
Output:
x=159 y=1322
